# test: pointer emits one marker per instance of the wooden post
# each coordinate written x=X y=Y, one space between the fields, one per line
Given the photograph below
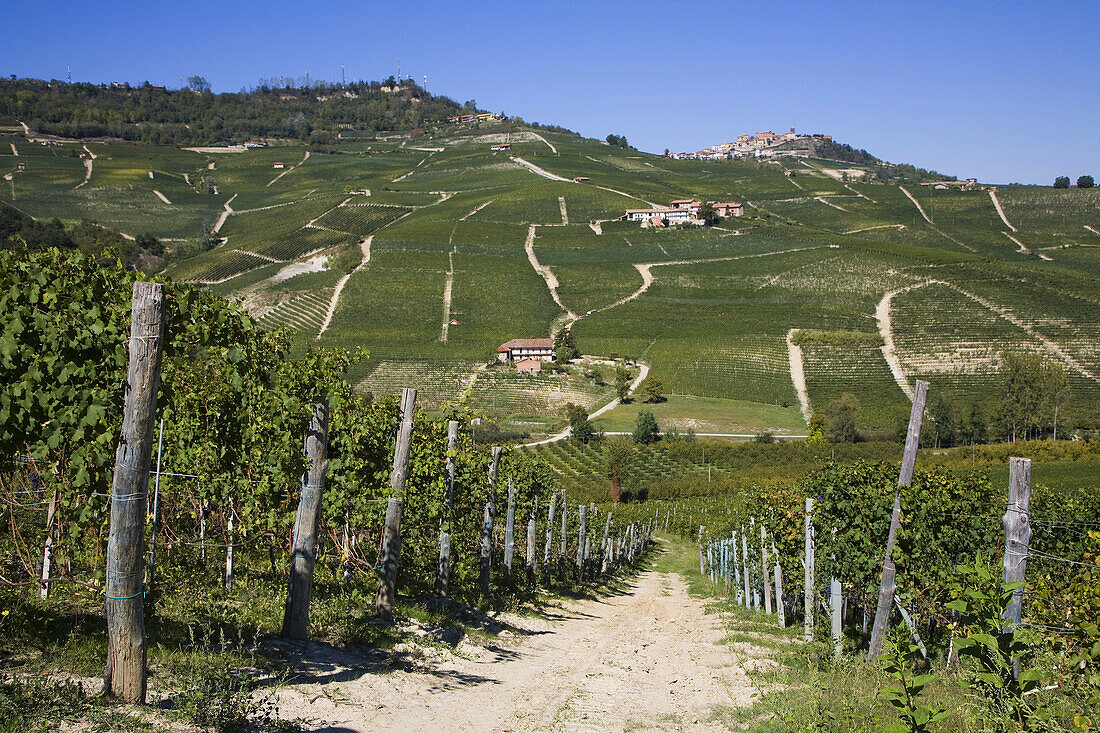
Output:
x=1017 y=524
x=808 y=604
x=229 y=548
x=47 y=549
x=834 y=606
x=745 y=566
x=391 y=530
x=303 y=553
x=549 y=534
x=443 y=572
x=702 y=557
x=510 y=530
x=738 y=598
x=487 y=525
x=603 y=543
x=764 y=568
x=345 y=550
x=532 y=565
x=780 y=609
x=888 y=583
x=581 y=534
x=564 y=528
x=124 y=676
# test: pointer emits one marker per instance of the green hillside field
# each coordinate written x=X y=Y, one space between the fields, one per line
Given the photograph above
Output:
x=429 y=251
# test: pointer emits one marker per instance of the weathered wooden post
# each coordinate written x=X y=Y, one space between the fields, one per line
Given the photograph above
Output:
x=905 y=477
x=532 y=565
x=564 y=531
x=229 y=547
x=1017 y=524
x=391 y=531
x=487 y=525
x=443 y=572
x=808 y=604
x=124 y=676
x=780 y=609
x=702 y=556
x=745 y=566
x=47 y=548
x=303 y=551
x=603 y=543
x=738 y=598
x=834 y=604
x=764 y=569
x=510 y=530
x=549 y=536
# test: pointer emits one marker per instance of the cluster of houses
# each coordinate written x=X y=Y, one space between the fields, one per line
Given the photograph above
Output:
x=681 y=211
x=759 y=145
x=527 y=354
x=969 y=184
x=479 y=117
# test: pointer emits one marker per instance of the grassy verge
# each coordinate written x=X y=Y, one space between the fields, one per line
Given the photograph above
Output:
x=807 y=688
x=708 y=415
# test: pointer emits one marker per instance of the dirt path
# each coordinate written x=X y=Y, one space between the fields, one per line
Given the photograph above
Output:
x=564 y=211
x=1092 y=230
x=162 y=197
x=643 y=372
x=596 y=227
x=915 y=203
x=545 y=272
x=476 y=209
x=447 y=286
x=548 y=143
x=13 y=150
x=649 y=659
x=885 y=329
x=364 y=245
x=880 y=226
x=288 y=170
x=226 y=211
x=88 y=163
x=798 y=375
x=538 y=171
x=423 y=160
x=1000 y=211
x=821 y=199
x=1022 y=248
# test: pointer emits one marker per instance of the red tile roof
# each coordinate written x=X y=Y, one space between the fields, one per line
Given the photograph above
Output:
x=527 y=344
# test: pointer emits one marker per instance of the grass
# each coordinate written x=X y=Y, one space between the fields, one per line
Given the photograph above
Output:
x=707 y=415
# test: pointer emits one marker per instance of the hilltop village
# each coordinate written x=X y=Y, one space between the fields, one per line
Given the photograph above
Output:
x=761 y=145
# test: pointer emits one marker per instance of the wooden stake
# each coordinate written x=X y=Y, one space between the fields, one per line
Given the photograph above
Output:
x=780 y=609
x=1017 y=524
x=510 y=530
x=303 y=553
x=581 y=536
x=487 y=525
x=443 y=572
x=764 y=568
x=124 y=676
x=808 y=604
x=549 y=534
x=532 y=565
x=391 y=530
x=888 y=584
x=834 y=606
x=229 y=548
x=745 y=566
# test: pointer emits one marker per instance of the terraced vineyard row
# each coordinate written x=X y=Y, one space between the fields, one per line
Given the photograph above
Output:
x=437 y=381
x=361 y=219
x=303 y=312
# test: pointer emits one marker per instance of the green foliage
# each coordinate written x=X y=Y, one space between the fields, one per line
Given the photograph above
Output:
x=646 y=431
x=652 y=390
x=622 y=383
x=1000 y=658
x=1061 y=182
x=841 y=415
x=906 y=687
x=580 y=430
x=1085 y=182
x=224 y=700
x=565 y=346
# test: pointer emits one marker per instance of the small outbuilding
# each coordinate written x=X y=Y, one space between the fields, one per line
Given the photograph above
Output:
x=529 y=366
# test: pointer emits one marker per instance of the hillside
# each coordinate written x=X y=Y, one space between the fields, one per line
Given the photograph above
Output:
x=432 y=250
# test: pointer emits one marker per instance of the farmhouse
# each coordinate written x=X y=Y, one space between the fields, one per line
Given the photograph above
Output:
x=674 y=216
x=690 y=204
x=502 y=146
x=581 y=179
x=528 y=366
x=519 y=350
x=278 y=166
x=730 y=208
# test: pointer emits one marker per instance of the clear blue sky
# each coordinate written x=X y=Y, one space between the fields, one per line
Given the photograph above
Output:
x=1004 y=91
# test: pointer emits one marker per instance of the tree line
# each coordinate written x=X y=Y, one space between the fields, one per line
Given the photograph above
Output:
x=195 y=115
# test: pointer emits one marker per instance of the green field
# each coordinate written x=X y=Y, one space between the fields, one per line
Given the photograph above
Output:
x=446 y=220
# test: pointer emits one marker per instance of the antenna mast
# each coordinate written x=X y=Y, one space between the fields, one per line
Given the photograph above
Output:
x=69 y=76
x=343 y=81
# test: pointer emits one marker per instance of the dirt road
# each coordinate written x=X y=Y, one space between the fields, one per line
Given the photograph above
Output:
x=649 y=659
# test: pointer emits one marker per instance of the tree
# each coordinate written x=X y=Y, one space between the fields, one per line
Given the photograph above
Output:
x=645 y=428
x=708 y=214
x=974 y=427
x=1061 y=182
x=1085 y=182
x=840 y=416
x=618 y=456
x=653 y=390
x=622 y=383
x=944 y=422
x=617 y=141
x=198 y=84
x=565 y=348
x=1055 y=390
x=817 y=429
x=1020 y=404
x=580 y=429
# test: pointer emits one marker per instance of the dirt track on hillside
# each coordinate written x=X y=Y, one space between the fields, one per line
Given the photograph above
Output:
x=647 y=659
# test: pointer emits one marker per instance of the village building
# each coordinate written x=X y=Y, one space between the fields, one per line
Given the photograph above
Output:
x=730 y=208
x=528 y=366
x=581 y=179
x=501 y=146
x=673 y=216
x=278 y=166
x=518 y=350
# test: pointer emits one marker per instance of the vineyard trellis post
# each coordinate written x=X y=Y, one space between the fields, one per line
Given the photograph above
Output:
x=532 y=565
x=745 y=566
x=764 y=569
x=443 y=572
x=487 y=525
x=152 y=569
x=125 y=673
x=564 y=531
x=510 y=530
x=303 y=550
x=835 y=593
x=391 y=530
x=736 y=568
x=47 y=548
x=780 y=609
x=808 y=604
x=229 y=547
x=888 y=584
x=603 y=543
x=549 y=537
x=702 y=556
x=1017 y=526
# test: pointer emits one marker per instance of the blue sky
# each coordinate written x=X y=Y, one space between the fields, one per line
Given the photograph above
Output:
x=1004 y=91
